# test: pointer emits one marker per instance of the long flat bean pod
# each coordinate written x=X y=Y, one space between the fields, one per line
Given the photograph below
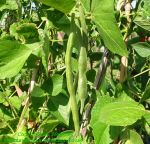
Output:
x=82 y=64
x=82 y=81
x=69 y=78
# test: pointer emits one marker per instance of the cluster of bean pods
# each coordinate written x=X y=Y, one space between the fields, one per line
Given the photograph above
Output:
x=82 y=68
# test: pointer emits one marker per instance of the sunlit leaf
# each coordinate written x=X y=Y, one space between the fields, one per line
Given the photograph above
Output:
x=121 y=113
x=103 y=15
x=143 y=24
x=100 y=129
x=132 y=137
x=12 y=58
x=37 y=92
x=47 y=126
x=64 y=6
x=101 y=133
x=142 y=48
x=26 y=32
x=147 y=116
x=118 y=113
x=146 y=94
x=59 y=107
x=44 y=51
x=8 y=4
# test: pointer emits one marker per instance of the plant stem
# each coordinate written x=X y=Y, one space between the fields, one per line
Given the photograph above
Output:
x=140 y=73
x=19 y=9
x=83 y=26
x=124 y=60
x=10 y=128
x=19 y=127
x=32 y=83
x=9 y=102
x=30 y=13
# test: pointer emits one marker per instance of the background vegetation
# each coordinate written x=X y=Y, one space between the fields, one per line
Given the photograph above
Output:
x=75 y=71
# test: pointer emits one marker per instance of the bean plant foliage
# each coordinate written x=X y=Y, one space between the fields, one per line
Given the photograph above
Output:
x=75 y=71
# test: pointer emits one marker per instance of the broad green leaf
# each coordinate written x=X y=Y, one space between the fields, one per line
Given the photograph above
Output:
x=44 y=51
x=59 y=107
x=64 y=24
x=147 y=116
x=86 y=4
x=37 y=102
x=133 y=138
x=32 y=61
x=3 y=124
x=7 y=138
x=101 y=133
x=2 y=2
x=102 y=101
x=68 y=137
x=41 y=49
x=64 y=6
x=146 y=10
x=36 y=48
x=103 y=15
x=54 y=85
x=57 y=83
x=6 y=36
x=5 y=114
x=65 y=135
x=21 y=134
x=47 y=126
x=91 y=75
x=12 y=58
x=143 y=16
x=142 y=23
x=142 y=48
x=146 y=94
x=15 y=101
x=100 y=130
x=37 y=92
x=76 y=140
x=17 y=137
x=26 y=32
x=121 y=113
x=123 y=96
x=57 y=19
x=2 y=97
x=116 y=113
x=115 y=131
x=8 y=4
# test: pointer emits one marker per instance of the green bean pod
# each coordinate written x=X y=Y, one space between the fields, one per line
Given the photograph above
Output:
x=68 y=64
x=69 y=77
x=82 y=80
